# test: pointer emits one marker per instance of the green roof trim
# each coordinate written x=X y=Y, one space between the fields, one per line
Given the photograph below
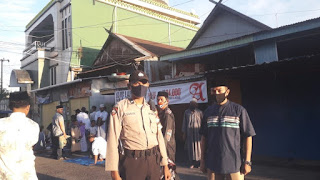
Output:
x=40 y=13
x=208 y=49
x=170 y=8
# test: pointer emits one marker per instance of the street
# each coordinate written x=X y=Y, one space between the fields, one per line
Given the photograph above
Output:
x=50 y=169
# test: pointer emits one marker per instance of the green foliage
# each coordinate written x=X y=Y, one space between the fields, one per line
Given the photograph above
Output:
x=4 y=94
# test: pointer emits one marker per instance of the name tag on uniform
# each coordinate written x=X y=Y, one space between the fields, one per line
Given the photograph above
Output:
x=130 y=113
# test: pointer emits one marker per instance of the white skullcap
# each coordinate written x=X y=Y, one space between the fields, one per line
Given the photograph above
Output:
x=194 y=100
x=101 y=105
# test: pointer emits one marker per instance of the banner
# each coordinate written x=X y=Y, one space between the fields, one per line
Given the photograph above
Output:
x=178 y=93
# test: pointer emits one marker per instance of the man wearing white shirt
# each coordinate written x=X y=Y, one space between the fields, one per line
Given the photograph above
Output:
x=17 y=136
x=84 y=118
x=101 y=118
x=102 y=113
x=93 y=113
x=99 y=148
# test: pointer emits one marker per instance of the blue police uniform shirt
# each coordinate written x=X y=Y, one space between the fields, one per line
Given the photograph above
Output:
x=224 y=126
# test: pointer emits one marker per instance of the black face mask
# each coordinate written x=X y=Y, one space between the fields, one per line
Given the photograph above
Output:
x=192 y=107
x=139 y=91
x=219 y=98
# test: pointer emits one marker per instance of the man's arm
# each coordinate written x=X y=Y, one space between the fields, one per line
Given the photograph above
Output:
x=247 y=131
x=113 y=142
x=203 y=145
x=169 y=129
x=95 y=159
x=248 y=151
x=61 y=124
x=164 y=155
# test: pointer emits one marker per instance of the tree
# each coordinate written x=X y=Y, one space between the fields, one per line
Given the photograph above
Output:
x=4 y=94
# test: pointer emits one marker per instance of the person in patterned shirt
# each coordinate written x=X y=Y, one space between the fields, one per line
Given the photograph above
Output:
x=18 y=134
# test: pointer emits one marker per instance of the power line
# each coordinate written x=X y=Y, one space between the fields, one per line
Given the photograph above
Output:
x=288 y=12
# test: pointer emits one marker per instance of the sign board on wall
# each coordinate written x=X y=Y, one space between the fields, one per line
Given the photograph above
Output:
x=178 y=93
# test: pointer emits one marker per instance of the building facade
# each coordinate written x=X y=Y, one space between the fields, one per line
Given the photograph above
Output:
x=65 y=37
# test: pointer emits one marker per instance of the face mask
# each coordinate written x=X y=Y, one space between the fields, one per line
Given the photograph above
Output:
x=192 y=107
x=162 y=105
x=219 y=98
x=139 y=91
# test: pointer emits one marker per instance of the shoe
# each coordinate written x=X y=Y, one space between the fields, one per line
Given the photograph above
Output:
x=61 y=158
x=192 y=166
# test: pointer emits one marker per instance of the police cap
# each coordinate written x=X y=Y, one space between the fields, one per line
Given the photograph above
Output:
x=138 y=75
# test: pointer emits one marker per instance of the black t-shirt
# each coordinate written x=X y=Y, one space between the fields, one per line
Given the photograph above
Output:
x=224 y=126
x=168 y=130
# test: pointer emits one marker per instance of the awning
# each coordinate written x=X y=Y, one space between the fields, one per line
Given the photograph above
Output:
x=57 y=85
x=20 y=78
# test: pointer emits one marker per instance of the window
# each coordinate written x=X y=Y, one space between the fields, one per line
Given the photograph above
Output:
x=53 y=75
x=66 y=31
x=69 y=32
x=62 y=32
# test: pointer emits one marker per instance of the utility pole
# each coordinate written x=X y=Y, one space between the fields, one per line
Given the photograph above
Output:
x=1 y=90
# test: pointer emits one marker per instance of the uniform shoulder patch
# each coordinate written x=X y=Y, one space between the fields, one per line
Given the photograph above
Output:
x=114 y=110
x=168 y=134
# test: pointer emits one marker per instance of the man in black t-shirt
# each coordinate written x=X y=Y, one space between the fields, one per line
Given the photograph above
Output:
x=223 y=126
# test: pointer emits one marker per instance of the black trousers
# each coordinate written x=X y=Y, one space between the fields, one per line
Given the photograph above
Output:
x=140 y=168
x=57 y=152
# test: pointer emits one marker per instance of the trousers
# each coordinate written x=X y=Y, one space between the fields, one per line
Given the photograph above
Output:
x=140 y=166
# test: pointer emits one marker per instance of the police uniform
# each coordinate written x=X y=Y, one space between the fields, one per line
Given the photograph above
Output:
x=139 y=132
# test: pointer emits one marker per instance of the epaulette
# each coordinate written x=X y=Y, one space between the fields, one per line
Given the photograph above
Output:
x=114 y=109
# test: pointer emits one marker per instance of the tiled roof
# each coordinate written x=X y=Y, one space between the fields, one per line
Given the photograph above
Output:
x=154 y=48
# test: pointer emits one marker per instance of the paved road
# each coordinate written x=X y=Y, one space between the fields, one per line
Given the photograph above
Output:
x=50 y=169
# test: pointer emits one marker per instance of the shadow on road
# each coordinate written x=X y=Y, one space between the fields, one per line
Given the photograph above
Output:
x=47 y=177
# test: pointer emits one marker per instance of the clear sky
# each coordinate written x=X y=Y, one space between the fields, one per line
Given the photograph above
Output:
x=15 y=15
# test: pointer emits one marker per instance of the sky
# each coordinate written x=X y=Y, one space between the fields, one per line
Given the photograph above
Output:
x=15 y=15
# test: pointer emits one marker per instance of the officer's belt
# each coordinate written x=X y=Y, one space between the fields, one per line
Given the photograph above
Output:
x=141 y=153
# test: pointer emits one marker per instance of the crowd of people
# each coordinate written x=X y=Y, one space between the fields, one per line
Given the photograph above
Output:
x=218 y=140
x=85 y=128
x=137 y=139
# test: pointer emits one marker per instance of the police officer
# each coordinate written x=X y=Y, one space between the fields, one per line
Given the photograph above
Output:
x=168 y=123
x=136 y=126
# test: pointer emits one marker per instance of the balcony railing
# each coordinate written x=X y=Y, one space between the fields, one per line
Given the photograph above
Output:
x=33 y=47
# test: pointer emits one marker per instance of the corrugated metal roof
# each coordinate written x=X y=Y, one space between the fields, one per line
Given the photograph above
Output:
x=247 y=39
x=209 y=49
x=284 y=61
x=57 y=85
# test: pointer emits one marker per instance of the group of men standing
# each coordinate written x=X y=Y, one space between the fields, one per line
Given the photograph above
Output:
x=86 y=125
x=142 y=138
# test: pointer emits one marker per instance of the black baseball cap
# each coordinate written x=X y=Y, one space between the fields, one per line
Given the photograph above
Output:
x=59 y=106
x=138 y=75
x=220 y=82
x=163 y=93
